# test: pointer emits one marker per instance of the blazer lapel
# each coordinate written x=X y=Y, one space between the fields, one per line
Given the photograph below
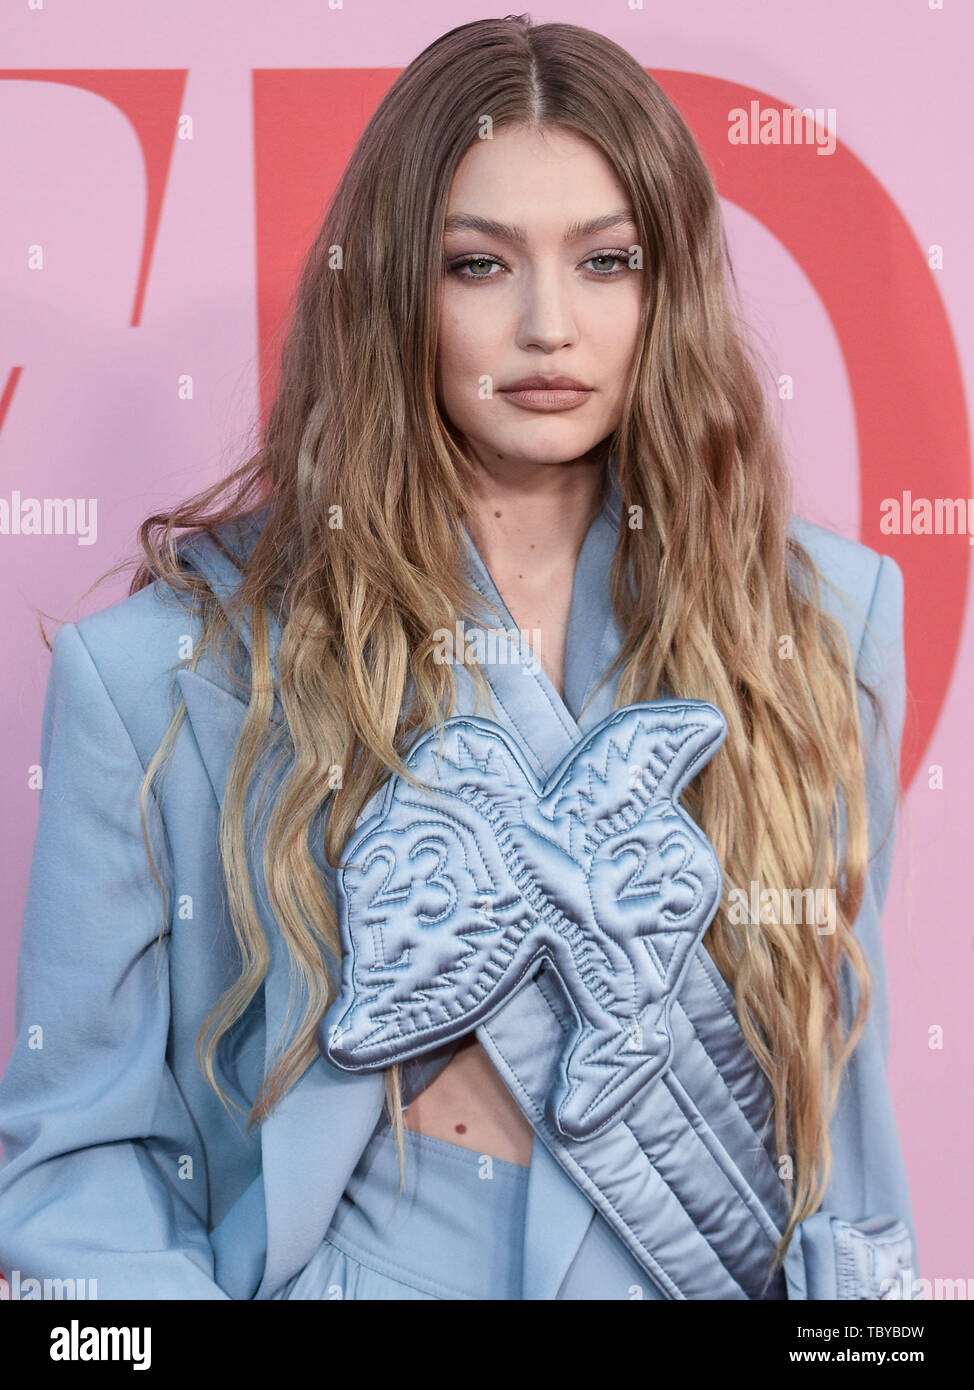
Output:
x=311 y=1141
x=557 y=1217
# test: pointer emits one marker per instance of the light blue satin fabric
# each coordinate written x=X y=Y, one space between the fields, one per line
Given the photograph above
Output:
x=120 y=1164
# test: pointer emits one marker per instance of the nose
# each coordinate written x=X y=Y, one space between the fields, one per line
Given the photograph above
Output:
x=547 y=318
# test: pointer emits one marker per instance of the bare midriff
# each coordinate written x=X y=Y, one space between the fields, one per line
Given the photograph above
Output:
x=468 y=1104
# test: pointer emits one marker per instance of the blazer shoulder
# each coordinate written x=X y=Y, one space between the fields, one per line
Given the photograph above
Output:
x=154 y=627
x=860 y=587
x=135 y=645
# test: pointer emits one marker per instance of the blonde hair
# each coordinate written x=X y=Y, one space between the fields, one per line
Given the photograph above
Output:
x=702 y=592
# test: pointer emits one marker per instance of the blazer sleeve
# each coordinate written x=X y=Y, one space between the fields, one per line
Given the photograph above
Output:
x=91 y=1119
x=861 y=1243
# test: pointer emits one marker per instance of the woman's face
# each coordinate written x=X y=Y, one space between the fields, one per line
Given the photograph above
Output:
x=528 y=291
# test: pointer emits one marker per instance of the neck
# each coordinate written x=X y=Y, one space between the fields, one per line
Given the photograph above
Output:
x=533 y=514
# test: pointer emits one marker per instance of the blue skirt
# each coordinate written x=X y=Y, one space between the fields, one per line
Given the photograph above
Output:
x=454 y=1232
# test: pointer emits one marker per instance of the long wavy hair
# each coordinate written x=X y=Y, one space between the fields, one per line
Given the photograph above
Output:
x=703 y=591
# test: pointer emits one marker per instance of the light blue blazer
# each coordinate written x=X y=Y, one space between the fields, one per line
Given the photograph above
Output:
x=121 y=1165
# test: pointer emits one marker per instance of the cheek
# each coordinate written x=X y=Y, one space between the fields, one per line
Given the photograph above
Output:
x=618 y=335
x=618 y=321
x=461 y=350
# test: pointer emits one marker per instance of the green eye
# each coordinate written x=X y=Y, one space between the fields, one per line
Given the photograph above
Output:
x=616 y=257
x=459 y=266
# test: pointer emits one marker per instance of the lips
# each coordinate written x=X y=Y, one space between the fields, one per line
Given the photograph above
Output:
x=547 y=393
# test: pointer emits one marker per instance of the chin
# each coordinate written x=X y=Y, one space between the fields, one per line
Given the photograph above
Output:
x=553 y=451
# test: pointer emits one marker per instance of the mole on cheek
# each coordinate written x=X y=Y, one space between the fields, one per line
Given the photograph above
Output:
x=460 y=1129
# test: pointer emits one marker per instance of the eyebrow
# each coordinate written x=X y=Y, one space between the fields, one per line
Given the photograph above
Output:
x=465 y=221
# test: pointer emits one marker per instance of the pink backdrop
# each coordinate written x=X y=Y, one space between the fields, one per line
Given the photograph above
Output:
x=171 y=175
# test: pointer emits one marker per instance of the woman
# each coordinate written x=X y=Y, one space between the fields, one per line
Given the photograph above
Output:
x=469 y=731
